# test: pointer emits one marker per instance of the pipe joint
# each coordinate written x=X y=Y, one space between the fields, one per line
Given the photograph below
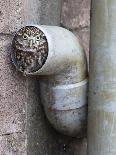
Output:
x=64 y=84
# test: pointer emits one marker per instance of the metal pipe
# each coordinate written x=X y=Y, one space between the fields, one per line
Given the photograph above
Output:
x=64 y=84
x=102 y=79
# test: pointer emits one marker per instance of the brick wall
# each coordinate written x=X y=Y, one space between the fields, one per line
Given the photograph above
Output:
x=23 y=127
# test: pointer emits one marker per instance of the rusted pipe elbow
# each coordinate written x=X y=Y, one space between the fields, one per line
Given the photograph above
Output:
x=64 y=84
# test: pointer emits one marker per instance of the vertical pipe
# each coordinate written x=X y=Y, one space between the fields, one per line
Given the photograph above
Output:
x=102 y=88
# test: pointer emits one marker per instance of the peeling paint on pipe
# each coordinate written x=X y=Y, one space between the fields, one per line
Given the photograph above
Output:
x=64 y=84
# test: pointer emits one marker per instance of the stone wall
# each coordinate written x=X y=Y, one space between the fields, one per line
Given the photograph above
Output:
x=23 y=126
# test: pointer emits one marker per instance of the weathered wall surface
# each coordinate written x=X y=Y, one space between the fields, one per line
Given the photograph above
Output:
x=23 y=126
x=23 y=129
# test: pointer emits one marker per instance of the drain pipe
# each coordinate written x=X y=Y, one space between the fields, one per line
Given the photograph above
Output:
x=102 y=79
x=63 y=81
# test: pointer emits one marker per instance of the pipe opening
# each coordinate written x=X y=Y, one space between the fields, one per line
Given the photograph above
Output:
x=29 y=49
x=63 y=95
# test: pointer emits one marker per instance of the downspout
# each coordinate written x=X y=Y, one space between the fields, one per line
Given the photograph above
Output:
x=102 y=79
x=63 y=81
